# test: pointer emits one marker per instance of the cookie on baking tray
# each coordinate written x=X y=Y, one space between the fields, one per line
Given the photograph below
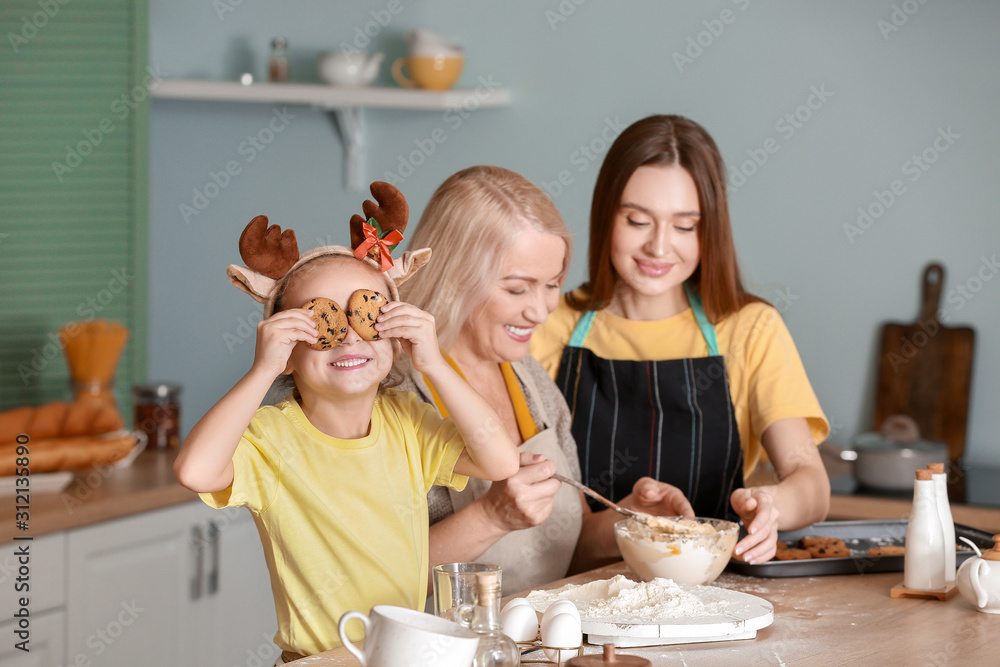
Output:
x=781 y=545
x=331 y=322
x=363 y=309
x=830 y=551
x=821 y=541
x=889 y=550
x=792 y=554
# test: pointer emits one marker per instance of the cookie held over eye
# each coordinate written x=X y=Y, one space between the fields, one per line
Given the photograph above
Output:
x=362 y=311
x=331 y=322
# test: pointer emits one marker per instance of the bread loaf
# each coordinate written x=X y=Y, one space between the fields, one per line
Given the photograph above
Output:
x=59 y=420
x=67 y=453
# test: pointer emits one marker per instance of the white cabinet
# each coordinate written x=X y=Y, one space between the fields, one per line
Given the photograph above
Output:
x=47 y=645
x=34 y=570
x=185 y=585
x=238 y=598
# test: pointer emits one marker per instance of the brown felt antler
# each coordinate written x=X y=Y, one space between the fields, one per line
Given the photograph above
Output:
x=391 y=212
x=268 y=250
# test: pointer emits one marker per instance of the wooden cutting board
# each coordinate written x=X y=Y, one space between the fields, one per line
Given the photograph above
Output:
x=925 y=371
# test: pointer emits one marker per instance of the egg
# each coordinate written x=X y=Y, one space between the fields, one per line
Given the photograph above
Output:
x=563 y=631
x=514 y=603
x=519 y=622
x=561 y=606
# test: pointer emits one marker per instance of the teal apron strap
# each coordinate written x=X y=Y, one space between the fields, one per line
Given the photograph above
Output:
x=707 y=330
x=582 y=329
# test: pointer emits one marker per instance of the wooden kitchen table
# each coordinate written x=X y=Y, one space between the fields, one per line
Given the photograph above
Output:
x=832 y=620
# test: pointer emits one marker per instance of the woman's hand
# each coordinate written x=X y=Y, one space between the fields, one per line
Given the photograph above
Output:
x=756 y=509
x=526 y=499
x=658 y=499
x=278 y=335
x=415 y=330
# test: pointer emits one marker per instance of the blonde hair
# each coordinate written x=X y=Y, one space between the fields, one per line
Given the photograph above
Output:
x=471 y=223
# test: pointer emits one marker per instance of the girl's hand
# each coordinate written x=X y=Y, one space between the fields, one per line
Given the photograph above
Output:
x=756 y=509
x=658 y=499
x=415 y=330
x=278 y=335
x=526 y=499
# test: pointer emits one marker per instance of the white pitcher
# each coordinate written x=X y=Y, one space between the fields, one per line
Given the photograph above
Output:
x=979 y=578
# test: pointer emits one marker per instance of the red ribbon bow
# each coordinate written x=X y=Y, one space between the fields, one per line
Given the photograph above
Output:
x=385 y=243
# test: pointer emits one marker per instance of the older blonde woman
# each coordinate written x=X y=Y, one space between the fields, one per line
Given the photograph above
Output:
x=501 y=251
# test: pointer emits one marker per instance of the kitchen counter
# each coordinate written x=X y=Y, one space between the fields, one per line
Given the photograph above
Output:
x=100 y=494
x=833 y=620
x=877 y=507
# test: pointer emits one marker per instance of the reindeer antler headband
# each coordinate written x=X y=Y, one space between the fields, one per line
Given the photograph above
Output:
x=271 y=254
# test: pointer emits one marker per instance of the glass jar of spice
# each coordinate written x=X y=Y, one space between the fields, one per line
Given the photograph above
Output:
x=277 y=64
x=157 y=413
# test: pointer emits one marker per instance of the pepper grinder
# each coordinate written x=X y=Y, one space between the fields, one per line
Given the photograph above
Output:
x=923 y=562
x=609 y=658
x=947 y=522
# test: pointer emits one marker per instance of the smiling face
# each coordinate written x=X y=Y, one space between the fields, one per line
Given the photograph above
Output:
x=524 y=296
x=356 y=366
x=654 y=240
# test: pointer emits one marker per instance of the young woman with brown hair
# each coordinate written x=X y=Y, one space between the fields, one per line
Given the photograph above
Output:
x=671 y=368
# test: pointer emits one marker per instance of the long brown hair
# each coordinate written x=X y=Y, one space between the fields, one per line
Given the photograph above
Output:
x=664 y=141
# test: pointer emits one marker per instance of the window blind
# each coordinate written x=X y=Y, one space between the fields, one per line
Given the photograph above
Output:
x=74 y=99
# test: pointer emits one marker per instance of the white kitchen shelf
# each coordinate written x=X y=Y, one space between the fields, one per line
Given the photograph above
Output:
x=347 y=104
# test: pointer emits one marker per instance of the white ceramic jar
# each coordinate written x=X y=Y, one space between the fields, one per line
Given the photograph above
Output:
x=923 y=563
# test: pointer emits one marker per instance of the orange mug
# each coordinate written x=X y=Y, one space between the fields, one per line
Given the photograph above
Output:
x=430 y=72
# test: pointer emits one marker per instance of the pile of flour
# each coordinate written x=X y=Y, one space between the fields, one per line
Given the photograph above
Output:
x=622 y=600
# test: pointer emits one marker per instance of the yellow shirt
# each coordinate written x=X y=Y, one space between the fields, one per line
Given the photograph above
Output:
x=766 y=377
x=343 y=522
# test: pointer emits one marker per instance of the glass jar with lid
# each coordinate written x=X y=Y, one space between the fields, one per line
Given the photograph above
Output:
x=157 y=413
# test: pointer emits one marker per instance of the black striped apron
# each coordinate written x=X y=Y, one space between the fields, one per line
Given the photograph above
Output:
x=672 y=420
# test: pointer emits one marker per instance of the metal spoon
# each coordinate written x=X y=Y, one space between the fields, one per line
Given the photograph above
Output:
x=641 y=516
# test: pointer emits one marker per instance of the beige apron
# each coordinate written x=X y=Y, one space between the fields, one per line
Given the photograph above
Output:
x=538 y=555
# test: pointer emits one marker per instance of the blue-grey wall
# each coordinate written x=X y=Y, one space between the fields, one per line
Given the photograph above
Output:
x=818 y=107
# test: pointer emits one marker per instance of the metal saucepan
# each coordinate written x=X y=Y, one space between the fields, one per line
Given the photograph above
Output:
x=888 y=459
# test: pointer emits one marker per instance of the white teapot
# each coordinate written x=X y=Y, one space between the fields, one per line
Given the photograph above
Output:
x=979 y=578
x=348 y=68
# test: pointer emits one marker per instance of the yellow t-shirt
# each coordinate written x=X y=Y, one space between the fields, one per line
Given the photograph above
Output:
x=766 y=377
x=343 y=522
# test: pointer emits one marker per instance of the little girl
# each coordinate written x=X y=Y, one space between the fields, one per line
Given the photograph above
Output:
x=336 y=475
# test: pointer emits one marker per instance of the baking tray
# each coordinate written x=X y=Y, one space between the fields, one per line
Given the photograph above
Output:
x=859 y=536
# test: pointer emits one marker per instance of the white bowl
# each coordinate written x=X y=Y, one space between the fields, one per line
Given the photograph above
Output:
x=696 y=552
